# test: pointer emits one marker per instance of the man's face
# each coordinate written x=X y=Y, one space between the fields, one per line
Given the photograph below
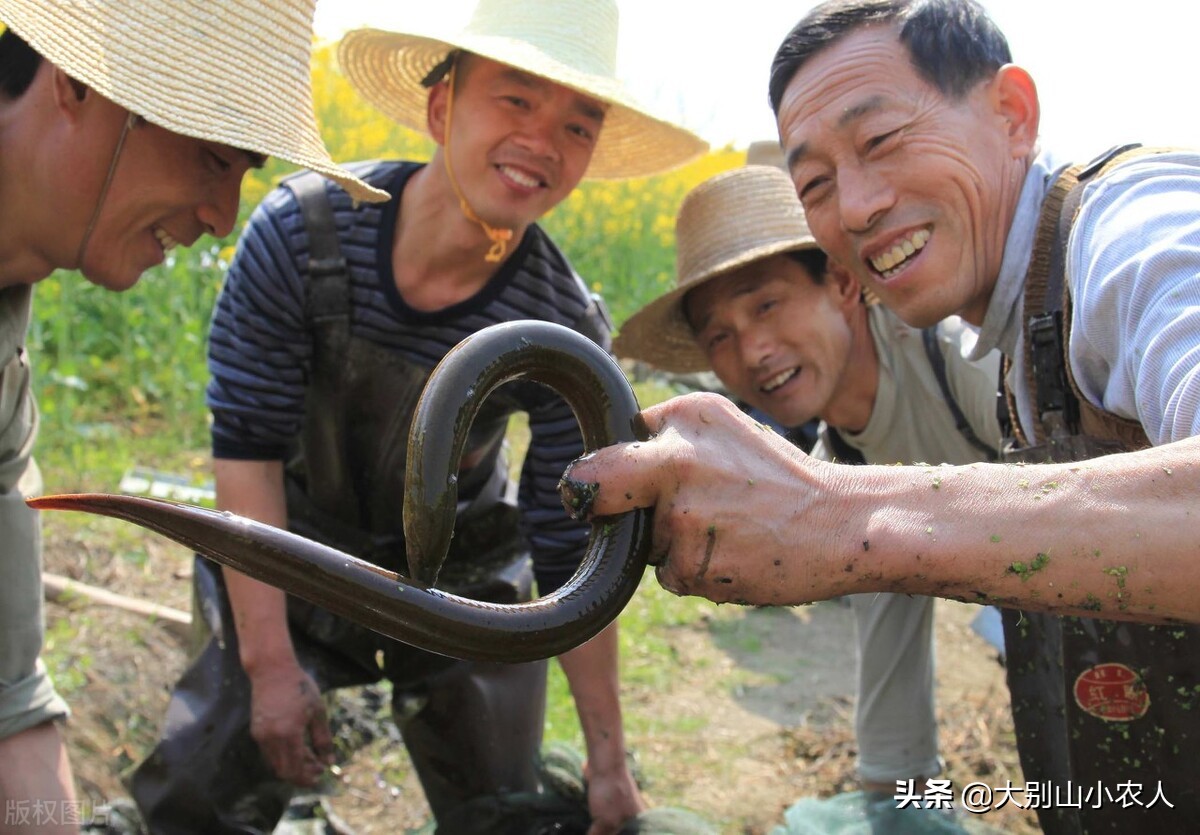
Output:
x=910 y=190
x=167 y=190
x=519 y=144
x=777 y=339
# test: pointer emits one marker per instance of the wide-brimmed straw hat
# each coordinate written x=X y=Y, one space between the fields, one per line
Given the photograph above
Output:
x=229 y=71
x=726 y=222
x=569 y=42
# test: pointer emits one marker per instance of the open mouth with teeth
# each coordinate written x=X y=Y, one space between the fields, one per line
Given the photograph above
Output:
x=164 y=239
x=520 y=177
x=778 y=380
x=888 y=263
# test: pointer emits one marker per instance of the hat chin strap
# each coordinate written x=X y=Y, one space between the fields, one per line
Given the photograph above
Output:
x=498 y=237
x=112 y=170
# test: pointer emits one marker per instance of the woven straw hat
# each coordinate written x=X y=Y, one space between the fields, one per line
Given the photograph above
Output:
x=229 y=71
x=766 y=152
x=726 y=222
x=569 y=42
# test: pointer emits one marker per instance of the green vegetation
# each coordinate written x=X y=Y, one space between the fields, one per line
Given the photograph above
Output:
x=1025 y=570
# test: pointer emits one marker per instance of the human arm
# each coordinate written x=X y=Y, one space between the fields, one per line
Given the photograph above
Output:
x=287 y=717
x=591 y=671
x=742 y=516
x=258 y=353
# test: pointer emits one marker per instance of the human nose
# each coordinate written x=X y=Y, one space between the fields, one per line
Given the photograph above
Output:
x=219 y=209
x=864 y=196
x=537 y=135
x=755 y=346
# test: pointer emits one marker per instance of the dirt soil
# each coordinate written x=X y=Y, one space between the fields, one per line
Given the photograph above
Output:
x=745 y=754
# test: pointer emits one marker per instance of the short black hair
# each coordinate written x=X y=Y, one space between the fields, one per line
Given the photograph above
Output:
x=19 y=63
x=953 y=44
x=814 y=261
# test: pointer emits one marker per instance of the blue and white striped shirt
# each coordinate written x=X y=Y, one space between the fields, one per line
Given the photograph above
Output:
x=260 y=350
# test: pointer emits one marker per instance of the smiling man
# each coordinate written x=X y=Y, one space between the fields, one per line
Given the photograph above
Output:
x=121 y=136
x=789 y=334
x=913 y=143
x=330 y=321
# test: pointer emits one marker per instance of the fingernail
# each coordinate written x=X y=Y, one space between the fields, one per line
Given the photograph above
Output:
x=578 y=496
x=641 y=429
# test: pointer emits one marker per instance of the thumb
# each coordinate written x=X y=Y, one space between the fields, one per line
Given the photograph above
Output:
x=614 y=480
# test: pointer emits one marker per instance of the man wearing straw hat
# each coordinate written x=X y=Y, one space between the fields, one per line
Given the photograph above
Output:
x=123 y=133
x=331 y=319
x=788 y=333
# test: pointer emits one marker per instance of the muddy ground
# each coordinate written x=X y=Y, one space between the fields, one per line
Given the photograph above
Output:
x=761 y=706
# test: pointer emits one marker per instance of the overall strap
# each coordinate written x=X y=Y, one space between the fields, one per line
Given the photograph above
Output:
x=328 y=287
x=1060 y=410
x=1094 y=421
x=938 y=364
x=1043 y=344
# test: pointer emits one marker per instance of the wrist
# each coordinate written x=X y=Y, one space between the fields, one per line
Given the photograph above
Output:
x=608 y=759
x=267 y=656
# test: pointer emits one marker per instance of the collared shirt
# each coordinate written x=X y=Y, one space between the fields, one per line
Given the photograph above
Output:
x=1133 y=264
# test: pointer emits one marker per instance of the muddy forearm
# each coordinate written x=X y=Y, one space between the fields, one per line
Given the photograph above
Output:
x=1114 y=537
x=742 y=516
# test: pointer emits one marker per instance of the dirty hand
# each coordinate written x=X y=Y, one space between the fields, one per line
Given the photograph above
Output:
x=288 y=721
x=740 y=514
x=613 y=799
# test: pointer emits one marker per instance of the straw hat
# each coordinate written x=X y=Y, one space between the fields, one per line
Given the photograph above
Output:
x=726 y=222
x=766 y=152
x=569 y=42
x=229 y=71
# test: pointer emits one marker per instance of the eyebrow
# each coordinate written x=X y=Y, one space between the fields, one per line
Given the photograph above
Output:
x=743 y=287
x=580 y=105
x=849 y=115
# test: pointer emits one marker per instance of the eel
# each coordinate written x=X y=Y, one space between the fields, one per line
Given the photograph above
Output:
x=410 y=609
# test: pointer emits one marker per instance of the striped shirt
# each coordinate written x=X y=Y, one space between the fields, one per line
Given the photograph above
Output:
x=260 y=348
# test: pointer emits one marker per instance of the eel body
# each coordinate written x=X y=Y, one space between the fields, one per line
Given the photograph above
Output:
x=410 y=609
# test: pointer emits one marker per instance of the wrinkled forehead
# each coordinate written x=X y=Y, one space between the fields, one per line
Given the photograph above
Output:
x=856 y=75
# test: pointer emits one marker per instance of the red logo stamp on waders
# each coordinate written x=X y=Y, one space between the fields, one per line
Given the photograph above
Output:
x=1112 y=692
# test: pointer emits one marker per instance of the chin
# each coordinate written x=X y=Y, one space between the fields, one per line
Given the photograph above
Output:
x=513 y=220
x=912 y=308
x=786 y=418
x=117 y=281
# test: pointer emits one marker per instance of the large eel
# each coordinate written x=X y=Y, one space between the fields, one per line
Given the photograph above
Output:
x=411 y=610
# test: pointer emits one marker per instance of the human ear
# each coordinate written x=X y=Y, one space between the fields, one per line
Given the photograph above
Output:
x=69 y=94
x=436 y=109
x=845 y=286
x=1016 y=100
